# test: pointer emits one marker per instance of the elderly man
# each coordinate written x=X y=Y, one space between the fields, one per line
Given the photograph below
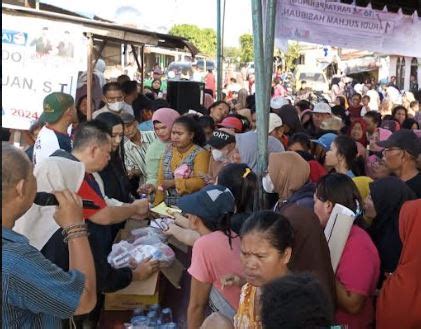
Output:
x=36 y=293
x=401 y=151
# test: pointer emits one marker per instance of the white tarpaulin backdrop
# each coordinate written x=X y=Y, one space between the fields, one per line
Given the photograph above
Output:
x=38 y=57
x=347 y=26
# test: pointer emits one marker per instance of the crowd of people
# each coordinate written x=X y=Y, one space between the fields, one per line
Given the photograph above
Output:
x=250 y=267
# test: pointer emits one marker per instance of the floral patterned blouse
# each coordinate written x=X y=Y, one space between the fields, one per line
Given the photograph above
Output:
x=246 y=317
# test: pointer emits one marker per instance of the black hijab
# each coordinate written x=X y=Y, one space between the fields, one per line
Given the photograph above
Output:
x=388 y=195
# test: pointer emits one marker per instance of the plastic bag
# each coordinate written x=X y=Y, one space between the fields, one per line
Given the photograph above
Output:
x=142 y=243
x=146 y=235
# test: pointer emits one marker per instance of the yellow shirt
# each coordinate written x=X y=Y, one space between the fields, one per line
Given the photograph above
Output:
x=185 y=185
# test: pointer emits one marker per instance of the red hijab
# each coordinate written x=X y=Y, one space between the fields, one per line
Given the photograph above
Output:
x=399 y=302
x=362 y=140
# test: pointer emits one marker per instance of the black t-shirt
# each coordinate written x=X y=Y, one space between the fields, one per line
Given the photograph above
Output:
x=415 y=184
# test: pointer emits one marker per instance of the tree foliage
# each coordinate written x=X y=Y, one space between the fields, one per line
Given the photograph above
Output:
x=203 y=39
x=246 y=47
x=291 y=55
x=232 y=53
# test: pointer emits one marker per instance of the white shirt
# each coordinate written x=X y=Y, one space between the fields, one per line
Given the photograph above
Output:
x=374 y=100
x=49 y=141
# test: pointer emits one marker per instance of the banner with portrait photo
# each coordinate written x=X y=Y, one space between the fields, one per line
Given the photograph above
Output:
x=38 y=57
x=348 y=26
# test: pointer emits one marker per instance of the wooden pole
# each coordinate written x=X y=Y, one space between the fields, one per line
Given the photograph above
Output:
x=89 y=78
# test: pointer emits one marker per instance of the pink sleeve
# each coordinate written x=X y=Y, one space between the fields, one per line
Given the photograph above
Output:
x=358 y=268
x=199 y=268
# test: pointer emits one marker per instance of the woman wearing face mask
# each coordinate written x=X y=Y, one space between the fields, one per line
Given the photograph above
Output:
x=163 y=120
x=343 y=157
x=223 y=151
x=382 y=206
x=359 y=267
x=184 y=162
x=288 y=175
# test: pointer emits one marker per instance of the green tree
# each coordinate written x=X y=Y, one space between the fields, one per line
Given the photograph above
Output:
x=291 y=55
x=246 y=47
x=203 y=39
x=232 y=53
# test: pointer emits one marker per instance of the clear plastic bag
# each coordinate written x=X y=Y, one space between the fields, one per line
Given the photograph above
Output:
x=147 y=235
x=123 y=252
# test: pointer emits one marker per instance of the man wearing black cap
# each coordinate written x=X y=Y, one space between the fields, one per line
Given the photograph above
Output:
x=401 y=151
x=223 y=151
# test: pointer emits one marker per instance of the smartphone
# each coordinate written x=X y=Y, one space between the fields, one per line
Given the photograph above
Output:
x=49 y=199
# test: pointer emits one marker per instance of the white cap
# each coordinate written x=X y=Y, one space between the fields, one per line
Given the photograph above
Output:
x=322 y=107
x=274 y=122
x=277 y=102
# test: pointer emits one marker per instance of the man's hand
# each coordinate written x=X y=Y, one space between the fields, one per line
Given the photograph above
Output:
x=142 y=208
x=146 y=189
x=145 y=269
x=69 y=211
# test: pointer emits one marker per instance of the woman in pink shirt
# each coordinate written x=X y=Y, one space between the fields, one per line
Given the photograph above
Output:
x=359 y=268
x=216 y=253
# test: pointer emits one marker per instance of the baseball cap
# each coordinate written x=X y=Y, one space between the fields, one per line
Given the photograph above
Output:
x=55 y=104
x=220 y=139
x=325 y=140
x=210 y=203
x=232 y=122
x=274 y=122
x=404 y=139
x=127 y=117
x=322 y=107
x=277 y=102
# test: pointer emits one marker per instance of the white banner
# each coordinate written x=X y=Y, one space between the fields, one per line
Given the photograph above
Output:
x=38 y=57
x=347 y=26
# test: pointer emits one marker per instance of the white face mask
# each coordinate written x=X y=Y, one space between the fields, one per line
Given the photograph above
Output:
x=218 y=155
x=115 y=107
x=267 y=184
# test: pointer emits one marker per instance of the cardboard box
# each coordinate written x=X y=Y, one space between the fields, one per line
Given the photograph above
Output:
x=141 y=293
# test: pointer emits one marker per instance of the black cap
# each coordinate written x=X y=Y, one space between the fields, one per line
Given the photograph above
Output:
x=220 y=139
x=404 y=139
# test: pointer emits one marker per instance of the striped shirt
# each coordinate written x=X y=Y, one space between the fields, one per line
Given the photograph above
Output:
x=135 y=155
x=35 y=292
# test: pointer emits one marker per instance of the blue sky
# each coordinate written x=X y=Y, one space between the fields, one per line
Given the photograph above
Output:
x=160 y=15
